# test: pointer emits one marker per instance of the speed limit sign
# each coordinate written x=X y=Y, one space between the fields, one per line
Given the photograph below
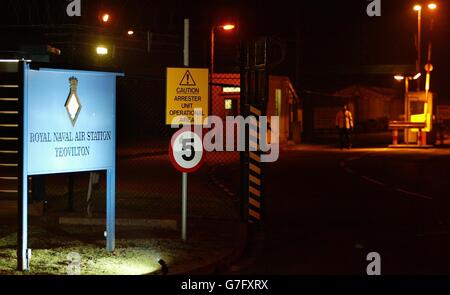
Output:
x=186 y=151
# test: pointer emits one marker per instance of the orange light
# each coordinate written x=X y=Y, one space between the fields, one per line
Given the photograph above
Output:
x=130 y=32
x=432 y=6
x=417 y=7
x=105 y=17
x=228 y=27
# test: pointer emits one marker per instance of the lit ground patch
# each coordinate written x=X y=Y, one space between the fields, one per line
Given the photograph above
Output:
x=57 y=252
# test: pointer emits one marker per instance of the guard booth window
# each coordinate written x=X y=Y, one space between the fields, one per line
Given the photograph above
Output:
x=278 y=102
x=231 y=107
x=417 y=107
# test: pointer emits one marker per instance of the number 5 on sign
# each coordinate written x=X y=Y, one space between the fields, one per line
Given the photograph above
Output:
x=186 y=151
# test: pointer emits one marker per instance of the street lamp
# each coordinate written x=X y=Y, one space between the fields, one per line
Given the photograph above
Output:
x=418 y=8
x=225 y=27
x=105 y=17
x=431 y=6
x=429 y=66
x=400 y=78
x=102 y=50
x=228 y=27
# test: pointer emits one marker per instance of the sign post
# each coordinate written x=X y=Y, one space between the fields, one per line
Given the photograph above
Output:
x=68 y=124
x=186 y=155
x=186 y=99
x=184 y=174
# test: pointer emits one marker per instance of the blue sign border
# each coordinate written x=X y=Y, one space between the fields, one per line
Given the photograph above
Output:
x=23 y=258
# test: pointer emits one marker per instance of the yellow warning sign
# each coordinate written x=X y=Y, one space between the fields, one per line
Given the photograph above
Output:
x=186 y=95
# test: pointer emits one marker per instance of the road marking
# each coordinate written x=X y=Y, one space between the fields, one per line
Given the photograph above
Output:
x=343 y=165
x=413 y=194
x=369 y=179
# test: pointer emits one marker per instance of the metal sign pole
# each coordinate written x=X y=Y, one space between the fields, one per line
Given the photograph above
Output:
x=184 y=206
x=22 y=235
x=110 y=209
x=186 y=155
x=184 y=174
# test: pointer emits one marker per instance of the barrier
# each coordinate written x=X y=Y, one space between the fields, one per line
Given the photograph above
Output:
x=396 y=125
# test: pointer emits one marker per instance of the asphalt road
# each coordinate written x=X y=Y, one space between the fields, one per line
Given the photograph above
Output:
x=326 y=209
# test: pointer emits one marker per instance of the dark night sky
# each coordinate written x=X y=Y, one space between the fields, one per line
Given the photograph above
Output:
x=319 y=35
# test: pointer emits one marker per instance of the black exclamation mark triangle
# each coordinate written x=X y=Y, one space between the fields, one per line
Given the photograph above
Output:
x=187 y=79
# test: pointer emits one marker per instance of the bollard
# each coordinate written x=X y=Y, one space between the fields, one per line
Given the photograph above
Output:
x=423 y=138
x=395 y=136
x=419 y=137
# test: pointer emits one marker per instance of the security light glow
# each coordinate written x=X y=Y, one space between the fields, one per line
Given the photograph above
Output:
x=105 y=17
x=417 y=7
x=399 y=77
x=432 y=6
x=101 y=50
x=14 y=60
x=126 y=267
x=228 y=27
x=417 y=76
x=130 y=32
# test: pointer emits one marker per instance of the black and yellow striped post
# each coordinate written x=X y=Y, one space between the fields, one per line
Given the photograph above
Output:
x=255 y=169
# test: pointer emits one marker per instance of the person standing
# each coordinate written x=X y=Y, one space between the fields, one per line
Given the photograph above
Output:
x=344 y=124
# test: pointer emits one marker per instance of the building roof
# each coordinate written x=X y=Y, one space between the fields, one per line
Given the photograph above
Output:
x=366 y=92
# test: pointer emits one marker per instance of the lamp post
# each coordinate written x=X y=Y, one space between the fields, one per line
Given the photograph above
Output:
x=418 y=8
x=429 y=66
x=225 y=27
